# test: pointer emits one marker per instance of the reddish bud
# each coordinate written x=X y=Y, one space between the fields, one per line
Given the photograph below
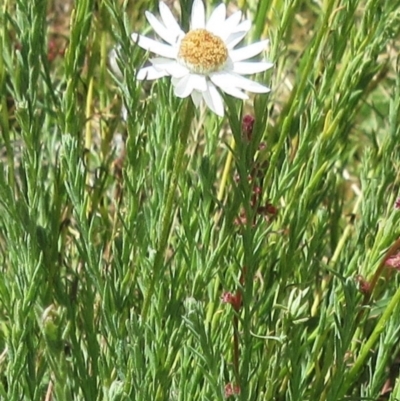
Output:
x=271 y=209
x=234 y=300
x=256 y=190
x=231 y=389
x=247 y=126
x=393 y=261
x=268 y=210
x=363 y=285
x=262 y=146
x=241 y=220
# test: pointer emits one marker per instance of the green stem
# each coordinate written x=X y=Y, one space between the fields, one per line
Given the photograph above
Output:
x=366 y=349
x=167 y=216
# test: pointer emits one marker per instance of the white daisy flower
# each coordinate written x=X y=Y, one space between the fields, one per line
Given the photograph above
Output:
x=203 y=59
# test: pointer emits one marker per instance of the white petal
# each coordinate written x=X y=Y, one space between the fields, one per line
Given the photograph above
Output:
x=162 y=63
x=234 y=38
x=248 y=84
x=230 y=24
x=240 y=32
x=169 y=20
x=198 y=18
x=235 y=92
x=196 y=97
x=217 y=18
x=160 y=29
x=221 y=78
x=184 y=86
x=181 y=86
x=124 y=113
x=113 y=61
x=228 y=65
x=248 y=67
x=199 y=82
x=172 y=67
x=224 y=81
x=243 y=26
x=248 y=51
x=214 y=100
x=175 y=81
x=150 y=73
x=155 y=47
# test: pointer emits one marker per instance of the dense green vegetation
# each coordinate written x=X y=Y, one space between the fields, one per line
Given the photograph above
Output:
x=174 y=258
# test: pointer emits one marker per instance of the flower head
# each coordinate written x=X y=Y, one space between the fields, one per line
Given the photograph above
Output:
x=203 y=59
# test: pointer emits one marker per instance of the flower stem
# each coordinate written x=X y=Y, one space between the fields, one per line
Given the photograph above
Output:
x=390 y=252
x=168 y=214
x=225 y=175
x=226 y=171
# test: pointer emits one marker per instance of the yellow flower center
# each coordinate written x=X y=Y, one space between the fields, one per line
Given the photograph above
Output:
x=202 y=52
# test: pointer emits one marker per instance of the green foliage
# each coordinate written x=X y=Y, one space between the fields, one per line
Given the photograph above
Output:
x=119 y=240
